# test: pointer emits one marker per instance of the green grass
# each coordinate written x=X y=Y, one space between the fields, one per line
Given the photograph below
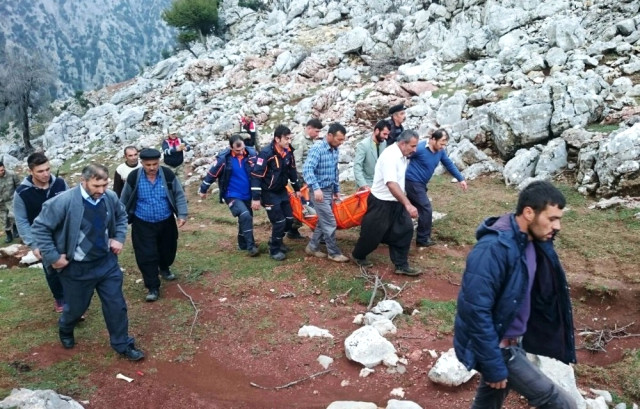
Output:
x=623 y=374
x=597 y=127
x=438 y=313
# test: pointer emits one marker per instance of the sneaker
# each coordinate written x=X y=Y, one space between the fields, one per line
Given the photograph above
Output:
x=253 y=251
x=132 y=354
x=153 y=295
x=279 y=256
x=58 y=305
x=339 y=258
x=407 y=271
x=314 y=253
x=427 y=243
x=167 y=275
x=362 y=262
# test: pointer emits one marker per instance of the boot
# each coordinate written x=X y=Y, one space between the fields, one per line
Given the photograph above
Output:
x=16 y=235
x=9 y=238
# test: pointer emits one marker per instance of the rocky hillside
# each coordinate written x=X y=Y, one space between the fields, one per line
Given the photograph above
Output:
x=527 y=89
x=91 y=43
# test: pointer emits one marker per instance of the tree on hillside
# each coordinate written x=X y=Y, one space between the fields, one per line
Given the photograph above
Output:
x=192 y=16
x=25 y=79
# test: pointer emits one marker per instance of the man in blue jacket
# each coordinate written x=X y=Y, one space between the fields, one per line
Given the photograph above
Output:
x=420 y=170
x=80 y=233
x=232 y=170
x=514 y=299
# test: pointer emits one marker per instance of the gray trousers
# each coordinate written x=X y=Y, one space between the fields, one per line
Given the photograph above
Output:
x=526 y=379
x=326 y=226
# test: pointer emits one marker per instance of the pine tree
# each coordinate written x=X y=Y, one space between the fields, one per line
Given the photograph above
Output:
x=189 y=16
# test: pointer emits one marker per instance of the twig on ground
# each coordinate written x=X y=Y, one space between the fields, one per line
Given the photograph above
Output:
x=195 y=317
x=342 y=297
x=410 y=337
x=596 y=340
x=376 y=284
x=255 y=385
x=287 y=295
x=399 y=291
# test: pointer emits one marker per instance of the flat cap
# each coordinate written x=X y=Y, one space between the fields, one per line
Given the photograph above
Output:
x=149 y=153
x=396 y=108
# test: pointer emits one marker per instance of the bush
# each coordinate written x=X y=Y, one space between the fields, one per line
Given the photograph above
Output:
x=255 y=5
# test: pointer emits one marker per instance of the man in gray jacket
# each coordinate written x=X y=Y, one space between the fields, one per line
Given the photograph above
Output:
x=80 y=234
x=367 y=152
x=154 y=198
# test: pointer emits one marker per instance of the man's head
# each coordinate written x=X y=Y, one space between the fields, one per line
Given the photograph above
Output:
x=397 y=114
x=150 y=159
x=131 y=155
x=2 y=169
x=236 y=143
x=336 y=135
x=539 y=210
x=282 y=136
x=95 y=178
x=407 y=142
x=313 y=128
x=439 y=140
x=381 y=131
x=39 y=168
x=172 y=133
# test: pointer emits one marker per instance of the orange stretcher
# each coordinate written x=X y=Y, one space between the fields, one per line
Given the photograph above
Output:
x=348 y=211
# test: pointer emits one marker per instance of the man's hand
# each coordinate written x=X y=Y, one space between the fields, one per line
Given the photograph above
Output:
x=36 y=252
x=413 y=212
x=255 y=204
x=299 y=194
x=317 y=195
x=498 y=385
x=181 y=222
x=61 y=263
x=463 y=185
x=365 y=187
x=202 y=195
x=115 y=246
x=336 y=197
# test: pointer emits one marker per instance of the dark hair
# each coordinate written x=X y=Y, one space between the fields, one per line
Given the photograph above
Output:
x=314 y=123
x=235 y=138
x=1 y=164
x=439 y=134
x=36 y=159
x=281 y=131
x=538 y=195
x=126 y=148
x=407 y=135
x=383 y=123
x=336 y=127
x=95 y=171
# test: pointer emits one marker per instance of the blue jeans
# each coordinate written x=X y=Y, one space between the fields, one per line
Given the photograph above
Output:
x=526 y=379
x=417 y=195
x=242 y=210
x=326 y=226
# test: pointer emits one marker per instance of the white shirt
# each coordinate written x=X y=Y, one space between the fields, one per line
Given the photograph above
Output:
x=390 y=167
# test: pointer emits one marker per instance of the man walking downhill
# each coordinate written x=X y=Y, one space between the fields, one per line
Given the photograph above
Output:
x=321 y=173
x=368 y=151
x=28 y=199
x=9 y=181
x=423 y=163
x=389 y=212
x=514 y=299
x=274 y=167
x=154 y=199
x=131 y=162
x=233 y=173
x=80 y=234
x=174 y=148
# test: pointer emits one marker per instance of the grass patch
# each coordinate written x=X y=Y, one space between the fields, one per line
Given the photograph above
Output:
x=438 y=313
x=597 y=127
x=623 y=373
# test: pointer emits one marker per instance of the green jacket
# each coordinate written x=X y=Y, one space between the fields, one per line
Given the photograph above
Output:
x=8 y=184
x=364 y=164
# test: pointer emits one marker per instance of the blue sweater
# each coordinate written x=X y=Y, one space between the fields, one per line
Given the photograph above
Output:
x=423 y=163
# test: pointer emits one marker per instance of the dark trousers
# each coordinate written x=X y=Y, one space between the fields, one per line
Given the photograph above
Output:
x=242 y=210
x=527 y=380
x=280 y=215
x=155 y=246
x=53 y=280
x=79 y=280
x=417 y=195
x=385 y=222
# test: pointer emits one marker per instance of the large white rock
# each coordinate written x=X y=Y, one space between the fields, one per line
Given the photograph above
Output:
x=522 y=166
x=402 y=404
x=388 y=308
x=553 y=158
x=561 y=374
x=367 y=347
x=313 y=331
x=566 y=33
x=449 y=371
x=38 y=399
x=348 y=404
x=352 y=41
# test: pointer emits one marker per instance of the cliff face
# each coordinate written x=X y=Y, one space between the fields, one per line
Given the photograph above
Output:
x=90 y=43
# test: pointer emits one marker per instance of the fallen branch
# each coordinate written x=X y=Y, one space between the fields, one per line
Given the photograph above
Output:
x=255 y=385
x=376 y=284
x=596 y=340
x=195 y=317
x=287 y=295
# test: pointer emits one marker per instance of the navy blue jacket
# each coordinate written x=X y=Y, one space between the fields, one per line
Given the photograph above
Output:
x=272 y=172
x=222 y=169
x=493 y=287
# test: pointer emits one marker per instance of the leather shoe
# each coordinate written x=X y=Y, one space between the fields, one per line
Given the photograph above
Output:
x=167 y=275
x=427 y=243
x=153 y=295
x=361 y=262
x=66 y=339
x=294 y=235
x=407 y=271
x=132 y=354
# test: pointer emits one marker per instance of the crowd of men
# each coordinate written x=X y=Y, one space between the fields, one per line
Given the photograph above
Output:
x=512 y=301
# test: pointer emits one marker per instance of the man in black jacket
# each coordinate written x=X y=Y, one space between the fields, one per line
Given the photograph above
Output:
x=274 y=167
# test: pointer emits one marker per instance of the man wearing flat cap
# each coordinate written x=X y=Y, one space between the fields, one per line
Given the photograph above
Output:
x=154 y=199
x=395 y=123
